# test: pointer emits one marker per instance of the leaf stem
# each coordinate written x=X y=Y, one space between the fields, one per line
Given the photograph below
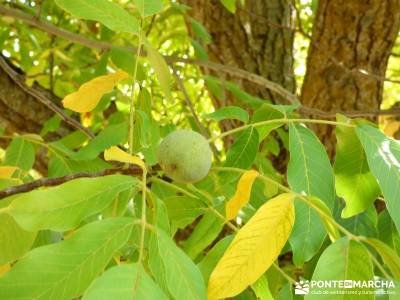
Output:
x=284 y=121
x=132 y=106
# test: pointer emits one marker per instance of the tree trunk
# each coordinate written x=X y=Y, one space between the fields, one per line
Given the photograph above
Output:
x=349 y=38
x=257 y=38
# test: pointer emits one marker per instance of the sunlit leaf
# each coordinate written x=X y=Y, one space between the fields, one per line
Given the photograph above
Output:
x=64 y=270
x=106 y=12
x=89 y=94
x=124 y=282
x=254 y=248
x=148 y=7
x=117 y=154
x=20 y=153
x=181 y=275
x=64 y=206
x=383 y=155
x=242 y=194
x=14 y=241
x=7 y=172
x=160 y=67
x=354 y=182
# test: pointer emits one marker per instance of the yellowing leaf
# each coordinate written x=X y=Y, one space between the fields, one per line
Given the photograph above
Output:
x=254 y=248
x=242 y=194
x=115 y=153
x=6 y=172
x=160 y=67
x=4 y=268
x=89 y=94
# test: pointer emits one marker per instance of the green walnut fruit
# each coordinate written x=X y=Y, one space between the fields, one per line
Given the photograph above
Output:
x=185 y=156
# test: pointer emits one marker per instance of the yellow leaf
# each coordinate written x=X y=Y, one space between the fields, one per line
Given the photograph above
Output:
x=242 y=194
x=4 y=268
x=7 y=172
x=253 y=250
x=89 y=94
x=115 y=153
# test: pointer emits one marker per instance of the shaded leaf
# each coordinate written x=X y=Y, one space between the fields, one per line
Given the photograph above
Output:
x=389 y=256
x=229 y=112
x=243 y=152
x=109 y=136
x=343 y=260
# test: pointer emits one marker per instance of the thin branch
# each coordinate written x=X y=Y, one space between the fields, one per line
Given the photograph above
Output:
x=236 y=72
x=46 y=182
x=19 y=80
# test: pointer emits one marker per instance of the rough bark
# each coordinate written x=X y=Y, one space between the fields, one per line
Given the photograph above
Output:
x=258 y=38
x=22 y=113
x=349 y=37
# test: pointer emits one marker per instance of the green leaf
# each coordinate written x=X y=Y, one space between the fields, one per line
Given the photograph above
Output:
x=383 y=155
x=64 y=270
x=362 y=224
x=308 y=233
x=110 y=136
x=208 y=263
x=61 y=166
x=310 y=172
x=309 y=169
x=63 y=207
x=344 y=260
x=149 y=7
x=183 y=278
x=264 y=113
x=243 y=152
x=206 y=231
x=161 y=69
x=389 y=256
x=354 y=182
x=261 y=289
x=387 y=231
x=183 y=210
x=242 y=96
x=229 y=112
x=124 y=282
x=106 y=12
x=200 y=31
x=20 y=153
x=14 y=241
x=229 y=5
